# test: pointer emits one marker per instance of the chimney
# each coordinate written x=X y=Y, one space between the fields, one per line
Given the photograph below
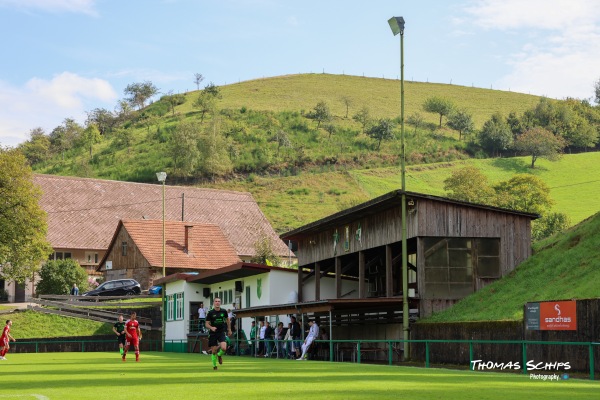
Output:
x=188 y=238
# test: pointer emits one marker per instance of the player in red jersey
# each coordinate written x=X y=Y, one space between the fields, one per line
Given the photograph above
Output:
x=4 y=339
x=134 y=335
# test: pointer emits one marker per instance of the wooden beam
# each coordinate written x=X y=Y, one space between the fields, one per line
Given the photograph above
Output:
x=338 y=277
x=317 y=281
x=389 y=285
x=361 y=275
x=300 y=284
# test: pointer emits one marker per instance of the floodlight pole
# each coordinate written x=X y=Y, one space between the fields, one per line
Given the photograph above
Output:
x=162 y=177
x=397 y=26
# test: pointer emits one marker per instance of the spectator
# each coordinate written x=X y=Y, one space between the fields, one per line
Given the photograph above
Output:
x=74 y=290
x=279 y=335
x=269 y=332
x=253 y=339
x=296 y=336
x=313 y=334
x=202 y=318
x=287 y=342
x=261 y=339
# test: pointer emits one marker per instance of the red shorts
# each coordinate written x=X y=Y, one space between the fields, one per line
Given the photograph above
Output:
x=3 y=341
x=134 y=341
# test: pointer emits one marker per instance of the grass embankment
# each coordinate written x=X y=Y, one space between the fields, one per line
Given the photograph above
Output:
x=562 y=268
x=30 y=324
x=289 y=202
x=183 y=376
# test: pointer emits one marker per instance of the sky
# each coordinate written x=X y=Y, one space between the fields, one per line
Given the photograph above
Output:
x=61 y=58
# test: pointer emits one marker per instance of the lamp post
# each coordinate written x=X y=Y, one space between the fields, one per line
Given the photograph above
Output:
x=162 y=177
x=397 y=26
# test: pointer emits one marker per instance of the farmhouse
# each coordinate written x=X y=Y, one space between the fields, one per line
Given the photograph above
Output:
x=84 y=213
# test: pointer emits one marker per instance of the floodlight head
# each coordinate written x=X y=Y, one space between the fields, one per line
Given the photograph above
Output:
x=162 y=176
x=397 y=25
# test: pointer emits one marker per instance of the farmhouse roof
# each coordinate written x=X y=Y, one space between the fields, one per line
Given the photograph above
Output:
x=235 y=271
x=381 y=203
x=83 y=213
x=206 y=247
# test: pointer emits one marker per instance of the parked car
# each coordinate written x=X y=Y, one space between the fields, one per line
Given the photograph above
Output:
x=119 y=287
x=155 y=290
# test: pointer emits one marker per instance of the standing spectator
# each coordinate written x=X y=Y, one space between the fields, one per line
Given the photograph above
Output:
x=119 y=330
x=216 y=321
x=313 y=334
x=134 y=335
x=74 y=290
x=279 y=335
x=253 y=339
x=296 y=336
x=287 y=342
x=269 y=332
x=4 y=339
x=261 y=339
x=201 y=318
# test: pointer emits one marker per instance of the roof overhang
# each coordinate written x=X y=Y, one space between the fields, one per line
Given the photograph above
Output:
x=379 y=204
x=336 y=306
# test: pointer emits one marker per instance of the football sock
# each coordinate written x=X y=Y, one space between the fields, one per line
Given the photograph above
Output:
x=214 y=359
x=121 y=350
x=220 y=353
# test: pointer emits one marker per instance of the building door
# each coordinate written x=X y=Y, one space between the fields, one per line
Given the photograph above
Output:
x=20 y=293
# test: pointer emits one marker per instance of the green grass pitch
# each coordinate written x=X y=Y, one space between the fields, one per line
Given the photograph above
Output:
x=172 y=376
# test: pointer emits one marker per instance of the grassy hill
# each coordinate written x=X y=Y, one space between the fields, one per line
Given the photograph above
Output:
x=562 y=268
x=252 y=112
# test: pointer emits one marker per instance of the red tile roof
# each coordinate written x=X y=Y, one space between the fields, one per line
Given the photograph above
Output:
x=83 y=213
x=208 y=248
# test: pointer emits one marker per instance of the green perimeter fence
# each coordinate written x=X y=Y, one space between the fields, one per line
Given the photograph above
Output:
x=331 y=350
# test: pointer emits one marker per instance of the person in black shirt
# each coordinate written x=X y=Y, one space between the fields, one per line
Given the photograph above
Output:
x=296 y=335
x=216 y=322
x=119 y=330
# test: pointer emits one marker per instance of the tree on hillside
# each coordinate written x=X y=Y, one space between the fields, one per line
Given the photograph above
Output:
x=102 y=118
x=23 y=224
x=139 y=93
x=36 y=149
x=523 y=192
x=90 y=136
x=550 y=224
x=173 y=100
x=597 y=91
x=214 y=151
x=123 y=111
x=461 y=121
x=363 y=117
x=183 y=148
x=469 y=184
x=515 y=124
x=330 y=128
x=438 y=105
x=415 y=119
x=538 y=142
x=207 y=100
x=382 y=130
x=58 y=277
x=282 y=139
x=347 y=103
x=198 y=78
x=320 y=113
x=64 y=137
x=495 y=136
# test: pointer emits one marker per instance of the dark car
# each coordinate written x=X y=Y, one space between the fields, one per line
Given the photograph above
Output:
x=119 y=287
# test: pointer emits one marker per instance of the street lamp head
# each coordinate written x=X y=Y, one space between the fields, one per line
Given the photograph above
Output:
x=162 y=176
x=397 y=25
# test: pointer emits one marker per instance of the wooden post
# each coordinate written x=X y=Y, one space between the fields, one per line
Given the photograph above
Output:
x=300 y=283
x=338 y=277
x=389 y=285
x=317 y=281
x=361 y=275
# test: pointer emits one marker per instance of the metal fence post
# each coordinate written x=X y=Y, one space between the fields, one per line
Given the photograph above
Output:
x=390 y=352
x=426 y=354
x=524 y=345
x=471 y=366
x=591 y=362
x=358 y=352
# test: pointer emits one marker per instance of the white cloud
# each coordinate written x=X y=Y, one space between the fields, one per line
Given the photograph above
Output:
x=72 y=6
x=560 y=48
x=46 y=103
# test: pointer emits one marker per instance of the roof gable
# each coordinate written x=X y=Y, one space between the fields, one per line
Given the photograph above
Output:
x=207 y=246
